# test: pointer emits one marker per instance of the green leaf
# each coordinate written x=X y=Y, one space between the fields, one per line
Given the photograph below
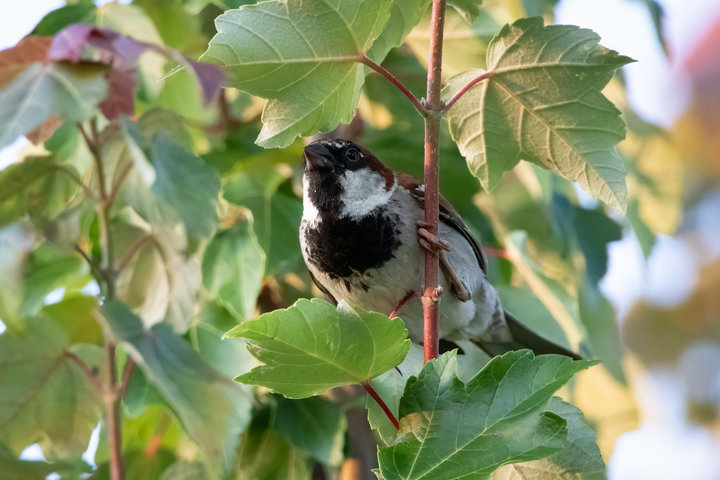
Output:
x=15 y=245
x=531 y=311
x=598 y=317
x=140 y=465
x=500 y=412
x=58 y=19
x=280 y=51
x=312 y=347
x=390 y=386
x=645 y=236
x=265 y=455
x=469 y=9
x=258 y=185
x=563 y=305
x=536 y=8
x=41 y=90
x=187 y=183
x=185 y=470
x=43 y=393
x=13 y=468
x=579 y=460
x=543 y=104
x=315 y=426
x=75 y=316
x=233 y=268
x=464 y=42
x=404 y=15
x=595 y=231
x=45 y=270
x=212 y=408
x=36 y=186
x=161 y=283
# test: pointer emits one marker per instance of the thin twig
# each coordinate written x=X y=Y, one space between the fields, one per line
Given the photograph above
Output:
x=73 y=176
x=467 y=87
x=131 y=251
x=118 y=183
x=495 y=252
x=97 y=386
x=386 y=73
x=128 y=370
x=99 y=274
x=97 y=158
x=381 y=402
x=113 y=413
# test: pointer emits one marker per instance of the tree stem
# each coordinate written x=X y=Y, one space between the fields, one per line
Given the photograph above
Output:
x=433 y=107
x=113 y=414
x=111 y=388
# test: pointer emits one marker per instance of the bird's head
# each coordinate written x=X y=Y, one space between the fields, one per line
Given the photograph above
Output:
x=343 y=179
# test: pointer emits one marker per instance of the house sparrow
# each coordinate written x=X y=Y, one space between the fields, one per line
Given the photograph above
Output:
x=363 y=240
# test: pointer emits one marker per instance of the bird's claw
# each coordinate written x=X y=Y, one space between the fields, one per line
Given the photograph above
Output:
x=429 y=241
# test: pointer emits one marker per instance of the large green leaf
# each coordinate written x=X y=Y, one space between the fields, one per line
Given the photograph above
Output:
x=282 y=51
x=40 y=187
x=233 y=268
x=312 y=347
x=456 y=430
x=594 y=231
x=579 y=460
x=464 y=42
x=543 y=104
x=598 y=317
x=15 y=245
x=315 y=426
x=161 y=283
x=46 y=269
x=262 y=185
x=561 y=303
x=404 y=15
x=390 y=387
x=187 y=183
x=265 y=455
x=33 y=89
x=43 y=393
x=13 y=468
x=212 y=408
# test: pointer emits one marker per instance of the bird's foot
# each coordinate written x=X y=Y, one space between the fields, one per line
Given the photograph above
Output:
x=429 y=241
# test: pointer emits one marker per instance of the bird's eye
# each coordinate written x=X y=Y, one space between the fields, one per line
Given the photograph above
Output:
x=352 y=155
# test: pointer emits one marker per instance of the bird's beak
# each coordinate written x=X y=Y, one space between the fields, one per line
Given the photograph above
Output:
x=317 y=157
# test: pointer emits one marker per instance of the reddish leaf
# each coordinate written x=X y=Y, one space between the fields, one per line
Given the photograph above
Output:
x=210 y=77
x=16 y=59
x=121 y=52
x=70 y=44
x=45 y=131
x=121 y=93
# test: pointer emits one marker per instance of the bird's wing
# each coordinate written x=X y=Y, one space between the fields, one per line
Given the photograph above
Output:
x=448 y=215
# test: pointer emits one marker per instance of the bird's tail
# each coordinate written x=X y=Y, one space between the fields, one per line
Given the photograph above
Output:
x=523 y=337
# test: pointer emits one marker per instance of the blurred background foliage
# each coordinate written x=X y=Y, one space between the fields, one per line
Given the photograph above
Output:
x=548 y=243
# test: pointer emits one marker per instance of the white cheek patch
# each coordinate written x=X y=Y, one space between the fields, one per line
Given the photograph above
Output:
x=310 y=212
x=363 y=191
